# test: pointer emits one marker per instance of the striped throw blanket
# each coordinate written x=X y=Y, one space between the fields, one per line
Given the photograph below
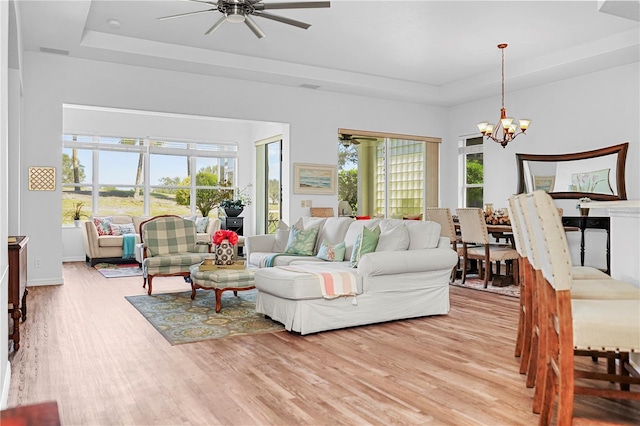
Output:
x=332 y=283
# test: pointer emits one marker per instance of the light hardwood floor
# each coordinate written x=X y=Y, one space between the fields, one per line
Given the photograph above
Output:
x=87 y=348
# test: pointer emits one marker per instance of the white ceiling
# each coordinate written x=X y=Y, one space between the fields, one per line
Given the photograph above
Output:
x=431 y=52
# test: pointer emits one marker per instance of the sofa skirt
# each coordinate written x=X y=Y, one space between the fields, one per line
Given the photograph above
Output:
x=314 y=315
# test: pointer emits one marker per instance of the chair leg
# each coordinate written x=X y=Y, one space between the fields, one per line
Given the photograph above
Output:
x=149 y=290
x=464 y=263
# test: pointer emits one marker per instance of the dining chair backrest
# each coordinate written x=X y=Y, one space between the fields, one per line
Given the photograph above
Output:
x=444 y=218
x=555 y=258
x=516 y=227
x=473 y=228
x=528 y=232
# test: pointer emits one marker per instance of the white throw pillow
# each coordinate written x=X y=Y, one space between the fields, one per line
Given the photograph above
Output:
x=393 y=238
x=282 y=237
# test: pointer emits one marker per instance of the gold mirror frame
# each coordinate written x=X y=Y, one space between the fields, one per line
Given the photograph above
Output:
x=619 y=150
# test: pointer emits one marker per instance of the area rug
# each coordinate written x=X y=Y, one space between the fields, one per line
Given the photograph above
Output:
x=182 y=320
x=110 y=270
x=478 y=284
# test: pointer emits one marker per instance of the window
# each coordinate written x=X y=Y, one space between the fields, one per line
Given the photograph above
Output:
x=472 y=172
x=386 y=175
x=136 y=176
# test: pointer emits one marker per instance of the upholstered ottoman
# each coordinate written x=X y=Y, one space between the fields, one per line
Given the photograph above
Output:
x=220 y=281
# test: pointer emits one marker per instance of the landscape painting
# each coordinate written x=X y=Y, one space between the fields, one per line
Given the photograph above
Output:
x=314 y=178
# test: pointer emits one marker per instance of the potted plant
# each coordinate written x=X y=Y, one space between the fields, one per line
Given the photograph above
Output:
x=77 y=214
x=234 y=208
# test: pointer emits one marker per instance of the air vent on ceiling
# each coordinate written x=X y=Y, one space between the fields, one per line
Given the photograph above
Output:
x=310 y=86
x=54 y=51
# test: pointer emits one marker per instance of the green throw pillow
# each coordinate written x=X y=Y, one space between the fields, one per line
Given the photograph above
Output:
x=301 y=242
x=366 y=242
x=332 y=252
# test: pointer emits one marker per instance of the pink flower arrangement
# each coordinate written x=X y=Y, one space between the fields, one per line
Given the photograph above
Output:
x=225 y=234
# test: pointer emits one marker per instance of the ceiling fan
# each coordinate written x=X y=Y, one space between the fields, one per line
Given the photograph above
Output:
x=238 y=11
x=347 y=140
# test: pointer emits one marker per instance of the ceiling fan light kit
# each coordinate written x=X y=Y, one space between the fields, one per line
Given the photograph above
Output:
x=506 y=130
x=239 y=11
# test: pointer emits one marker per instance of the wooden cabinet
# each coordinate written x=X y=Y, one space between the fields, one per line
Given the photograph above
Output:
x=235 y=224
x=17 y=286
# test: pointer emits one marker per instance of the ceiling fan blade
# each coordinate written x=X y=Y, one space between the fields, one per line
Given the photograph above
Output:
x=180 y=15
x=217 y=25
x=212 y=3
x=253 y=27
x=282 y=19
x=296 y=5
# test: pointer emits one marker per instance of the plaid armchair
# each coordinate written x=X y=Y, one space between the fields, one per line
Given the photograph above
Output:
x=169 y=247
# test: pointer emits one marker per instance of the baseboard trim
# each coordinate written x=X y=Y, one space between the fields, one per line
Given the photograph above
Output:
x=4 y=400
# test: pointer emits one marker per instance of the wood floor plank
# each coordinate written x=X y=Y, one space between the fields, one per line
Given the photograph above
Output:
x=86 y=347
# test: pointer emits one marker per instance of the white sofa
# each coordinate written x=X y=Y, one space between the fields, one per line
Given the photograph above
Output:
x=404 y=279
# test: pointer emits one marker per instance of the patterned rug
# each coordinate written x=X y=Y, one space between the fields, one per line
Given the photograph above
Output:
x=182 y=320
x=110 y=270
x=478 y=284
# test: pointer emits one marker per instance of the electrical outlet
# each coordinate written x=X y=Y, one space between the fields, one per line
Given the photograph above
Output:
x=309 y=203
x=303 y=203
x=37 y=262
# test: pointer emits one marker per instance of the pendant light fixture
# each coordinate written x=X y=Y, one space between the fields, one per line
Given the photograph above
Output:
x=506 y=130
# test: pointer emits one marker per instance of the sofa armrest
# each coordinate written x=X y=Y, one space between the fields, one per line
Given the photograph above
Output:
x=212 y=226
x=259 y=243
x=444 y=242
x=90 y=239
x=400 y=262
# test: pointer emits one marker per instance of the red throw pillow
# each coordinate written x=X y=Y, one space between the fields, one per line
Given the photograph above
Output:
x=363 y=217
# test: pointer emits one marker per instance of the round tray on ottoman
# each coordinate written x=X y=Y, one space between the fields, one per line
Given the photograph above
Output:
x=221 y=280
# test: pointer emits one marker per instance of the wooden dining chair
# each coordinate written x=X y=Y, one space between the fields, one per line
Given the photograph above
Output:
x=473 y=231
x=448 y=230
x=610 y=326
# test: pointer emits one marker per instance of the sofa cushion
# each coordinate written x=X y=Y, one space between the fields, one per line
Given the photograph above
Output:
x=333 y=230
x=110 y=241
x=201 y=224
x=423 y=235
x=137 y=220
x=302 y=242
x=355 y=228
x=365 y=243
x=331 y=252
x=282 y=237
x=295 y=285
x=393 y=238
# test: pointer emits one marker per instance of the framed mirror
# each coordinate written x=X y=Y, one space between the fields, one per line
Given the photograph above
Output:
x=597 y=174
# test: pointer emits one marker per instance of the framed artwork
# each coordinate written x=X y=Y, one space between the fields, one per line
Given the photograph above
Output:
x=42 y=178
x=544 y=182
x=314 y=178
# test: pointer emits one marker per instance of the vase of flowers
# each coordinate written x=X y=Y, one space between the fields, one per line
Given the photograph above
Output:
x=584 y=211
x=224 y=242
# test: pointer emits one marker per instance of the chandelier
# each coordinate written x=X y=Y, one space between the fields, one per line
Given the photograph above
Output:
x=506 y=130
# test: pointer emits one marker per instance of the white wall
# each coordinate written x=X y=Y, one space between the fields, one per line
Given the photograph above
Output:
x=313 y=118
x=5 y=367
x=580 y=114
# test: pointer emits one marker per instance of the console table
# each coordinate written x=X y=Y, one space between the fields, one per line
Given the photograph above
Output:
x=17 y=285
x=591 y=222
